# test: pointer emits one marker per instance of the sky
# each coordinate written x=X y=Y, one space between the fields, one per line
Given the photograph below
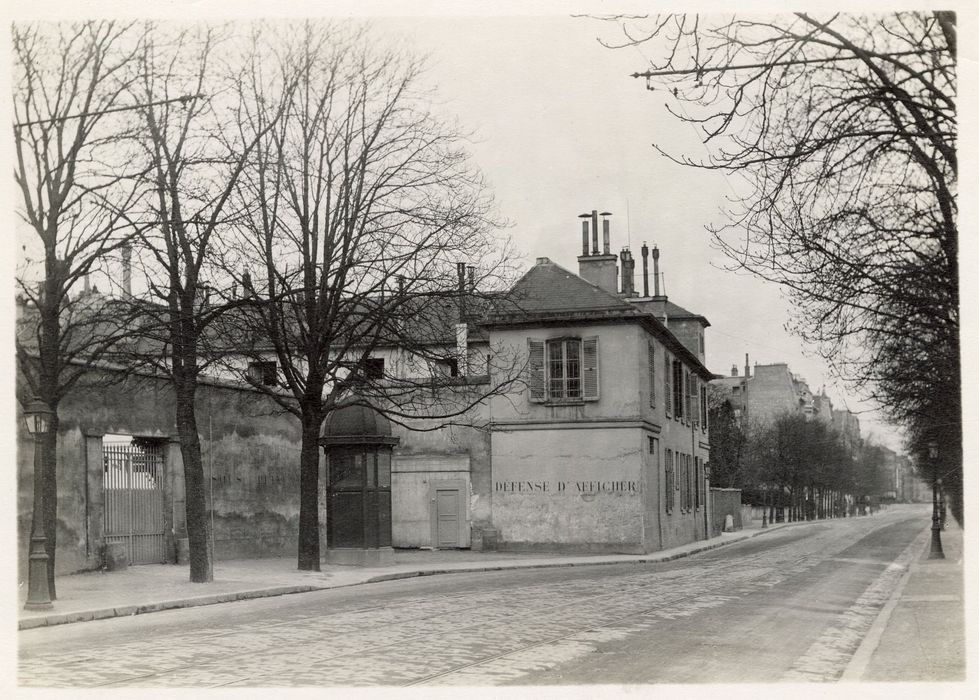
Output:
x=558 y=129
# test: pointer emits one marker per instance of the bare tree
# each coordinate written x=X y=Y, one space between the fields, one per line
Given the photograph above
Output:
x=842 y=132
x=195 y=162
x=73 y=177
x=359 y=203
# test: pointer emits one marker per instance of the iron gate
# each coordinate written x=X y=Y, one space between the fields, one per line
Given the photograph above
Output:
x=133 y=486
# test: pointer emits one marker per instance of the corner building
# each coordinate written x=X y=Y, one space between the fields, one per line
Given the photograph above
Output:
x=606 y=447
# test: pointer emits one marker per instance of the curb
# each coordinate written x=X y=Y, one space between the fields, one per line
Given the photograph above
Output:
x=214 y=599
x=143 y=608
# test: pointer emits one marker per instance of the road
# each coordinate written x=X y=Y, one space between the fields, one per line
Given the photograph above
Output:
x=790 y=605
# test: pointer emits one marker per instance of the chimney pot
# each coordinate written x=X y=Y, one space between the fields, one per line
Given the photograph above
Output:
x=734 y=370
x=594 y=231
x=645 y=269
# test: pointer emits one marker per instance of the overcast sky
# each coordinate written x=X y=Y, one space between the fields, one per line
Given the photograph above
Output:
x=560 y=129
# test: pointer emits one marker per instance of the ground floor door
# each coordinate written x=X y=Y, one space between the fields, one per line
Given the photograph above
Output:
x=448 y=515
x=134 y=500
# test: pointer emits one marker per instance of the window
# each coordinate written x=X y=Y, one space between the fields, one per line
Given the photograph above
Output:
x=449 y=367
x=703 y=407
x=696 y=481
x=264 y=373
x=678 y=391
x=668 y=488
x=563 y=369
x=652 y=373
x=374 y=368
x=668 y=393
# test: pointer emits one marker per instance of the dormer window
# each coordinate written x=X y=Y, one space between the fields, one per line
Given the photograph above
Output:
x=563 y=369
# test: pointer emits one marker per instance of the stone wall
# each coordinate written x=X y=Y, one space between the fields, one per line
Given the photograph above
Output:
x=725 y=502
x=250 y=450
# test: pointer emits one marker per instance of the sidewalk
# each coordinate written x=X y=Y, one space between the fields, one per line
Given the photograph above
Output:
x=152 y=588
x=920 y=633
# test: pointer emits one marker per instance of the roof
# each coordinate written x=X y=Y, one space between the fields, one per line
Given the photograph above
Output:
x=548 y=293
x=664 y=308
x=355 y=422
x=547 y=289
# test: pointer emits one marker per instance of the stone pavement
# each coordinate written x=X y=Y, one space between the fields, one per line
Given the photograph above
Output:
x=144 y=589
x=923 y=624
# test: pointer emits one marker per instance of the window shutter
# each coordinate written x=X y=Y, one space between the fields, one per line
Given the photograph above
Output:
x=694 y=399
x=589 y=367
x=668 y=394
x=652 y=374
x=536 y=366
x=703 y=406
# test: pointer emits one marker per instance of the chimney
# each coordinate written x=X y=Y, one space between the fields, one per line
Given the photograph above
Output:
x=472 y=278
x=247 y=291
x=747 y=368
x=734 y=370
x=584 y=232
x=401 y=285
x=598 y=268
x=628 y=273
x=606 y=244
x=594 y=232
x=461 y=272
x=655 y=270
x=645 y=268
x=127 y=270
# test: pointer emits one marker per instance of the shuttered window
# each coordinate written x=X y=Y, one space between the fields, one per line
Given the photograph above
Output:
x=678 y=390
x=669 y=491
x=563 y=369
x=590 y=368
x=651 y=349
x=668 y=392
x=536 y=369
x=703 y=406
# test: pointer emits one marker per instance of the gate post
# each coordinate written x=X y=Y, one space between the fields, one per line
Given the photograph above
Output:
x=94 y=497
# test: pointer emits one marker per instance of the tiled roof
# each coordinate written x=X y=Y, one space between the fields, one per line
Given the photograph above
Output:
x=549 y=289
x=548 y=293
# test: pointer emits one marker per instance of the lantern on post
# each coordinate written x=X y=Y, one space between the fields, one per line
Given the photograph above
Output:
x=37 y=416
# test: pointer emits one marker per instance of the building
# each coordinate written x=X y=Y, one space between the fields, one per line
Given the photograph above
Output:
x=602 y=446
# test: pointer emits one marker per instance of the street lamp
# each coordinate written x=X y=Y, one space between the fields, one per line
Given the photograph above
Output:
x=936 y=526
x=38 y=415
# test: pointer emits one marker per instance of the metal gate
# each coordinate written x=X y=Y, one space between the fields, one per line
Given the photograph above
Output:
x=133 y=486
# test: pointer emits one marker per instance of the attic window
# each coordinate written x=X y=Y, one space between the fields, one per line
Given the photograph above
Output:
x=374 y=368
x=264 y=373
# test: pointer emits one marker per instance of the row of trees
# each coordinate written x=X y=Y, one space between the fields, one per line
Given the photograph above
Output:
x=280 y=190
x=840 y=133
x=793 y=462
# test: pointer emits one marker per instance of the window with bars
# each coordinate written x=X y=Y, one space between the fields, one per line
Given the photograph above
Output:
x=563 y=369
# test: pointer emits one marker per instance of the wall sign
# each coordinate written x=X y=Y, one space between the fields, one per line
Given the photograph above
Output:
x=566 y=487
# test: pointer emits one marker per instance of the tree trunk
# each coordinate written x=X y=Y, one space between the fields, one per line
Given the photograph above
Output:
x=309 y=479
x=198 y=532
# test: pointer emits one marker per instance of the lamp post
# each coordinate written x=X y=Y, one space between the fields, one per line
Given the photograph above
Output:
x=936 y=525
x=37 y=415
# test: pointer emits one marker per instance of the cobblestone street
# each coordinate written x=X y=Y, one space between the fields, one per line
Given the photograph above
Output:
x=800 y=600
